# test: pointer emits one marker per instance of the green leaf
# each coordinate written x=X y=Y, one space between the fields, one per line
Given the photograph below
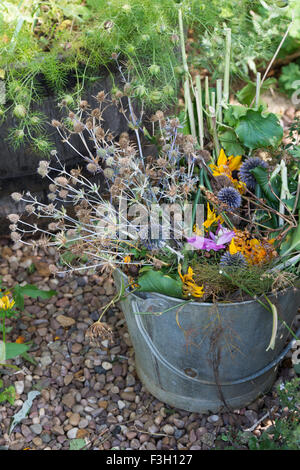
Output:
x=29 y=358
x=77 y=444
x=9 y=394
x=291 y=202
x=256 y=130
x=246 y=94
x=290 y=75
x=15 y=349
x=234 y=113
x=156 y=281
x=292 y=242
x=262 y=178
x=31 y=291
x=230 y=143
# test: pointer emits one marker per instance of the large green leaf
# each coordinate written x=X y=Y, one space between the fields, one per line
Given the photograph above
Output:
x=230 y=143
x=233 y=113
x=256 y=130
x=15 y=349
x=156 y=281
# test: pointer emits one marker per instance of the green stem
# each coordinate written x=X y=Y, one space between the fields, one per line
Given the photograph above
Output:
x=198 y=96
x=258 y=84
x=227 y=67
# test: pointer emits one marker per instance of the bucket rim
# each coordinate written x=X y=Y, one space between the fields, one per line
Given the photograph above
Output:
x=207 y=304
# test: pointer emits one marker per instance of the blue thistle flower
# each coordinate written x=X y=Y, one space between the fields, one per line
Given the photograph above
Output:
x=231 y=197
x=245 y=174
x=233 y=261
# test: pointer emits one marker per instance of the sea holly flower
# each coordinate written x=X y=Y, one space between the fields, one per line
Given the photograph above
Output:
x=189 y=287
x=236 y=260
x=245 y=171
x=231 y=197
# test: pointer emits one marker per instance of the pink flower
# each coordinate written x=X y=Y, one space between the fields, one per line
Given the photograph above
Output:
x=216 y=241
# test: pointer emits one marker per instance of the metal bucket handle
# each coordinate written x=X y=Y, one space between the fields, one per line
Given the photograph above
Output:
x=136 y=311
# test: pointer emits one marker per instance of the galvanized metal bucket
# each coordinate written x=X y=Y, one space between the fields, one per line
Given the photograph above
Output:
x=203 y=357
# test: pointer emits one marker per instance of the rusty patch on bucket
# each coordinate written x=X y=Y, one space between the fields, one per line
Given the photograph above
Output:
x=190 y=372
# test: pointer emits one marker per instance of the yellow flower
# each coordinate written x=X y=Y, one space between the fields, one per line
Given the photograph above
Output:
x=226 y=165
x=212 y=217
x=255 y=251
x=197 y=231
x=190 y=288
x=127 y=259
x=5 y=303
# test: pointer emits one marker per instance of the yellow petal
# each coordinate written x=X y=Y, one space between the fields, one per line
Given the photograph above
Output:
x=232 y=248
x=235 y=162
x=222 y=160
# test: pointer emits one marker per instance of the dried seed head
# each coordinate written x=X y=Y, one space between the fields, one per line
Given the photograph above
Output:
x=119 y=94
x=203 y=155
x=78 y=127
x=63 y=193
x=15 y=236
x=89 y=123
x=43 y=168
x=99 y=330
x=83 y=104
x=92 y=167
x=127 y=88
x=99 y=133
x=110 y=161
x=16 y=197
x=159 y=115
x=29 y=208
x=96 y=113
x=52 y=268
x=14 y=218
x=52 y=188
x=53 y=226
x=61 y=181
x=51 y=196
x=100 y=96
x=55 y=123
x=108 y=173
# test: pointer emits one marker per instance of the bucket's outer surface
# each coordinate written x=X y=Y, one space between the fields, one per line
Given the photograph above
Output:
x=202 y=357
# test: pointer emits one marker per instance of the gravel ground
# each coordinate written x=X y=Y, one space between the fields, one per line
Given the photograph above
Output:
x=93 y=392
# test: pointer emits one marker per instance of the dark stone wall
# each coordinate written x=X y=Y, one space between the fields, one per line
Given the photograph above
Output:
x=18 y=168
